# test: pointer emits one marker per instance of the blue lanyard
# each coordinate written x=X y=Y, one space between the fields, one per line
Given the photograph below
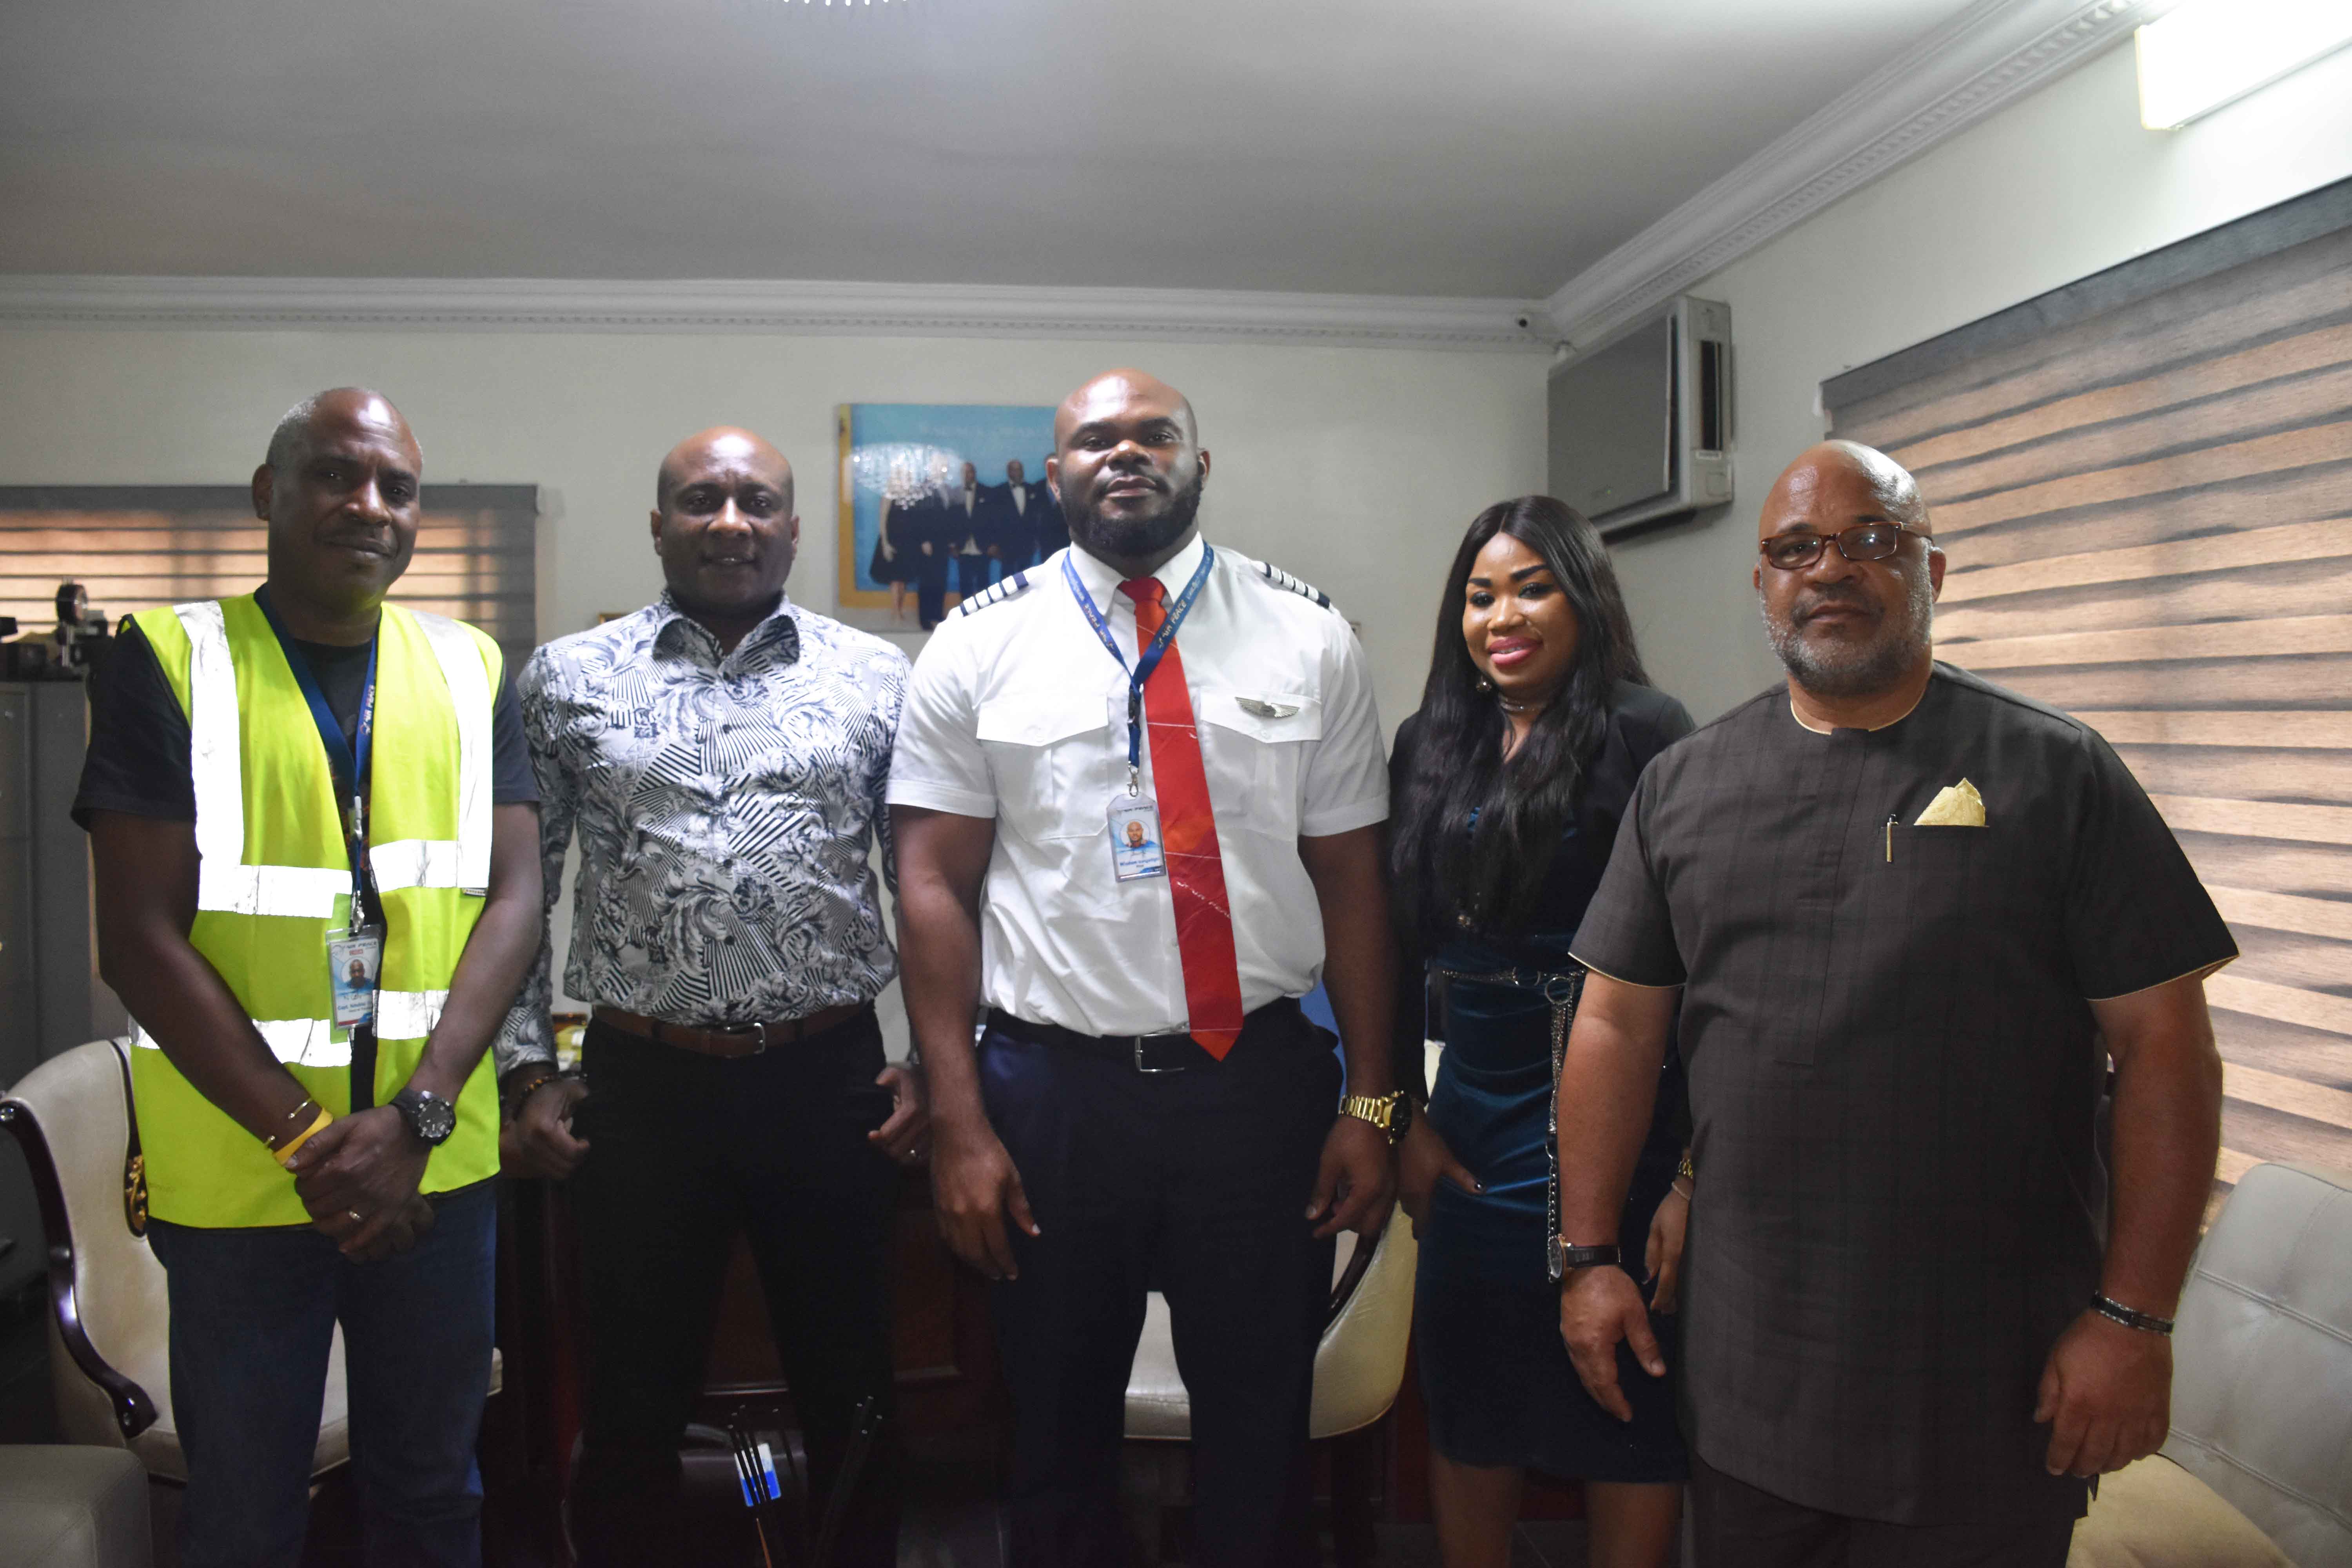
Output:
x=347 y=760
x=1147 y=661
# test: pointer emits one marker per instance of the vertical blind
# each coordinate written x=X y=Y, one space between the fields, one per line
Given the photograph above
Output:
x=2143 y=484
x=133 y=546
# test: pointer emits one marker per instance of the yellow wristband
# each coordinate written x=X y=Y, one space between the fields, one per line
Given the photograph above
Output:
x=286 y=1155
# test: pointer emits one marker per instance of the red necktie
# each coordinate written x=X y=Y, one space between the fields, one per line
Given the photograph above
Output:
x=1187 y=834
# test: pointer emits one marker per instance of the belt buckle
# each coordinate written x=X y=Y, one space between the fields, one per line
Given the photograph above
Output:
x=758 y=1036
x=1139 y=1040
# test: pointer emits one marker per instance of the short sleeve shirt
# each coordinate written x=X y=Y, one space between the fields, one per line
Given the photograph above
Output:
x=1017 y=712
x=1895 y=1078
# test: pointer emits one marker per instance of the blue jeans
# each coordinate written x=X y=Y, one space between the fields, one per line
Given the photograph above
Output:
x=252 y=1312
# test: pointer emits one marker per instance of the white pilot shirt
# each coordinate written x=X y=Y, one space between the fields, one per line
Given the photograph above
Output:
x=1016 y=713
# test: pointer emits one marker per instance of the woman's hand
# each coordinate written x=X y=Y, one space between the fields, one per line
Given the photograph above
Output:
x=1422 y=1160
x=1662 y=1259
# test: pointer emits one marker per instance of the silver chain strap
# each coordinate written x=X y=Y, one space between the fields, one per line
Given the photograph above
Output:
x=1562 y=989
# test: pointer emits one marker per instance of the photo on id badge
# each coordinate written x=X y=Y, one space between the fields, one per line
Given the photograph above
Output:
x=1135 y=840
x=353 y=963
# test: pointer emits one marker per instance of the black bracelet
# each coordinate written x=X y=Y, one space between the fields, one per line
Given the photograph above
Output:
x=2145 y=1322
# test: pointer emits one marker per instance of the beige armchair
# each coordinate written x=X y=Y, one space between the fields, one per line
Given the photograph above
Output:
x=1358 y=1368
x=2258 y=1471
x=1358 y=1365
x=109 y=1325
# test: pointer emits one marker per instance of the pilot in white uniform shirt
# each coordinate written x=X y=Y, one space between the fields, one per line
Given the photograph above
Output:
x=1016 y=712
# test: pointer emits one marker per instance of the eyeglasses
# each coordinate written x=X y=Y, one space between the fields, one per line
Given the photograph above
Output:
x=1869 y=542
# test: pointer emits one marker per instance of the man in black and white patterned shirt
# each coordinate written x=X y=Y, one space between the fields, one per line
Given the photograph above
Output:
x=721 y=755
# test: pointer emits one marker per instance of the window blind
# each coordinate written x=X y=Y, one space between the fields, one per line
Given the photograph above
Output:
x=2143 y=483
x=140 y=545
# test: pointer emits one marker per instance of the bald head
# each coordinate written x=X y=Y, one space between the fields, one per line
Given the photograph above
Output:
x=342 y=407
x=1845 y=466
x=1119 y=389
x=727 y=445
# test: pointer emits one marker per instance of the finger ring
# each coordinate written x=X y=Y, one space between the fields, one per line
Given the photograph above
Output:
x=357 y=1217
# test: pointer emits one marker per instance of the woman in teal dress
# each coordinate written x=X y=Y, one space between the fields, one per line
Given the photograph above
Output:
x=1509 y=784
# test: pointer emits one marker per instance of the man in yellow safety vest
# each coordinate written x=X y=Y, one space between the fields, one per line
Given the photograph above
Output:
x=315 y=833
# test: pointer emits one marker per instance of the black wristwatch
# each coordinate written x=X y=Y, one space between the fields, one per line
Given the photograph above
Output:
x=429 y=1116
x=1566 y=1259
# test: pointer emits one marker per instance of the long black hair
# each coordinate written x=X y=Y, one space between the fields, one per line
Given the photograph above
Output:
x=1496 y=875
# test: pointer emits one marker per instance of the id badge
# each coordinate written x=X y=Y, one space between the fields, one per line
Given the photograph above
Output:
x=1134 y=848
x=353 y=963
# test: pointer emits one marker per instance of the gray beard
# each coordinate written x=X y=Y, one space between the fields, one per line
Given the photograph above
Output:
x=1872 y=666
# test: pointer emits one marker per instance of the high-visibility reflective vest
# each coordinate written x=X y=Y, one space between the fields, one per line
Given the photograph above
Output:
x=274 y=883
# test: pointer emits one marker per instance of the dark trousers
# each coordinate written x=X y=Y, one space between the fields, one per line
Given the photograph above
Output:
x=932 y=599
x=253 y=1313
x=1194 y=1183
x=685 y=1150
x=972 y=573
x=1735 y=1525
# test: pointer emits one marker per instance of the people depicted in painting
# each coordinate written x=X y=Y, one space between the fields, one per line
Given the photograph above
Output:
x=893 y=560
x=1014 y=509
x=931 y=532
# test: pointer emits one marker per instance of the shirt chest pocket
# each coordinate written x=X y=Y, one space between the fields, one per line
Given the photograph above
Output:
x=1253 y=748
x=1943 y=883
x=1055 y=760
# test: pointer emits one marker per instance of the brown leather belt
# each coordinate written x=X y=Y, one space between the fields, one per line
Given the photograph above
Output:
x=737 y=1040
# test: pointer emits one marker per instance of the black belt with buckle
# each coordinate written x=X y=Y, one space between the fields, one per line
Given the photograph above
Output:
x=1146 y=1053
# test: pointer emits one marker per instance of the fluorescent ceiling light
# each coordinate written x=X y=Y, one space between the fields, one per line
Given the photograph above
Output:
x=2206 y=53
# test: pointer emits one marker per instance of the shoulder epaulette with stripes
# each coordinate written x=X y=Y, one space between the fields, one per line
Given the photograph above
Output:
x=1011 y=587
x=1285 y=581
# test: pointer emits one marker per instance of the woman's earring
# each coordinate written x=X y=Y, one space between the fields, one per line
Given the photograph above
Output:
x=1486 y=685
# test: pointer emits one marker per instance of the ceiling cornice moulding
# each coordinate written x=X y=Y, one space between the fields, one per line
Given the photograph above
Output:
x=1990 y=54
x=880 y=310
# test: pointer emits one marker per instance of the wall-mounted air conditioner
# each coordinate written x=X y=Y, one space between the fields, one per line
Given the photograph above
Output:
x=1640 y=424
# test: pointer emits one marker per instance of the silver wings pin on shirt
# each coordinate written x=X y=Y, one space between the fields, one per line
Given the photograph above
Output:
x=1266 y=710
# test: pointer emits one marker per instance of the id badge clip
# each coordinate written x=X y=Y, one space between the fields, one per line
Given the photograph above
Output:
x=1135 y=848
x=354 y=963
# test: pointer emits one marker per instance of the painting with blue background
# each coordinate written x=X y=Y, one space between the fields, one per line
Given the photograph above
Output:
x=910 y=444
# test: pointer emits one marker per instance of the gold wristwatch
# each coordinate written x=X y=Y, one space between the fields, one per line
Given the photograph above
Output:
x=1391 y=1112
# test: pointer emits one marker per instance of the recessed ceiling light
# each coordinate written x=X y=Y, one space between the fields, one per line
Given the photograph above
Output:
x=2208 y=53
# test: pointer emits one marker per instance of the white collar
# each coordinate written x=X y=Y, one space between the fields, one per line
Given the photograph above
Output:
x=1174 y=574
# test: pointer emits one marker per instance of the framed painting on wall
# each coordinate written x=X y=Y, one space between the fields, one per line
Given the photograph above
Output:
x=937 y=501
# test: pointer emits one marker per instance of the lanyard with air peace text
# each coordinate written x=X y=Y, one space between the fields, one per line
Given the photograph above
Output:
x=1135 y=844
x=355 y=958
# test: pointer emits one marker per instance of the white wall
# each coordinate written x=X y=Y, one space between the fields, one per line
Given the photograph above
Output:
x=2062 y=184
x=1355 y=469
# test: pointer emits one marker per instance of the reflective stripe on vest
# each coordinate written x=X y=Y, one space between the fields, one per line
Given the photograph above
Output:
x=311 y=1043
x=226 y=886
x=265 y=795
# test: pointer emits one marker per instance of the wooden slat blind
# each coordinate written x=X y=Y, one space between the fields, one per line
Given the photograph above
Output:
x=136 y=546
x=2146 y=499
